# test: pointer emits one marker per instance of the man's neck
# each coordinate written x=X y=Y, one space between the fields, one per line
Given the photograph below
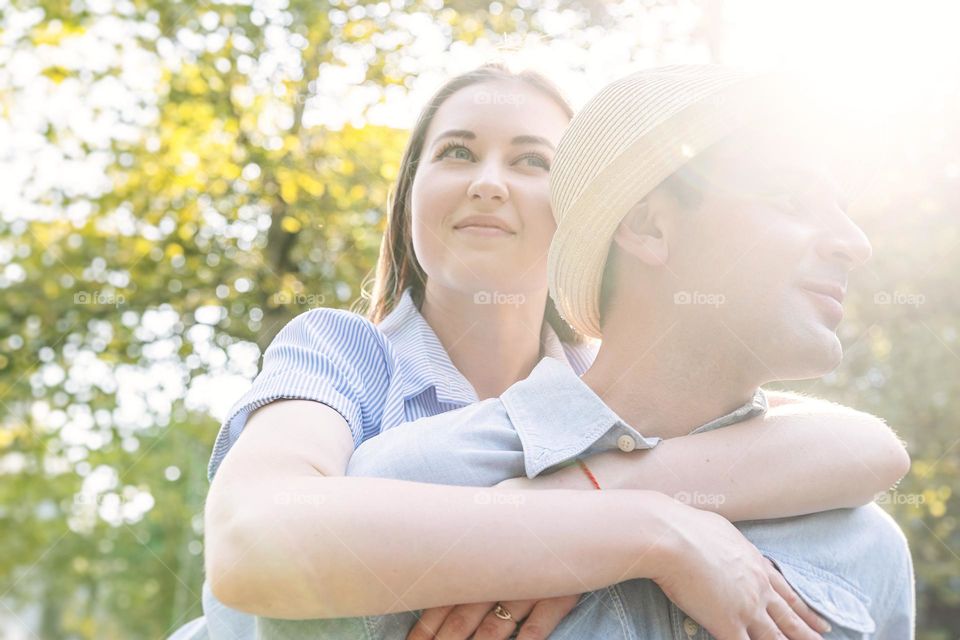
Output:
x=665 y=383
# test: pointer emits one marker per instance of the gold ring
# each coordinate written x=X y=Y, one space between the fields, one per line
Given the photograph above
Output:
x=501 y=612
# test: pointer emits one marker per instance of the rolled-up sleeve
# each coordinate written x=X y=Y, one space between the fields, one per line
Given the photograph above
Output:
x=329 y=356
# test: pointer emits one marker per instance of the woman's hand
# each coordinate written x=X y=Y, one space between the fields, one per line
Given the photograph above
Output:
x=537 y=619
x=720 y=579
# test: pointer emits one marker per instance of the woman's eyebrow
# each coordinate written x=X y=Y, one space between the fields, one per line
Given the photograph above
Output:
x=466 y=134
x=532 y=140
x=456 y=133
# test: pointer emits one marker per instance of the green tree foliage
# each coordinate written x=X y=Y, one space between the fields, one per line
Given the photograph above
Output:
x=214 y=214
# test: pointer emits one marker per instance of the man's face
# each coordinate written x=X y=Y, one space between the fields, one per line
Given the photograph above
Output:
x=762 y=264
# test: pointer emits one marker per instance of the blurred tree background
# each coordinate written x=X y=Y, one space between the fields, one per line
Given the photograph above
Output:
x=179 y=179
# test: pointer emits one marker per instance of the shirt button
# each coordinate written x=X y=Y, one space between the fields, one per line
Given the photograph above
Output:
x=690 y=627
x=626 y=443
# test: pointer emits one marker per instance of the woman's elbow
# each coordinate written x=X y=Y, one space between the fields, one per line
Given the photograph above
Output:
x=892 y=461
x=225 y=588
x=899 y=461
x=238 y=535
x=253 y=566
x=227 y=568
x=878 y=460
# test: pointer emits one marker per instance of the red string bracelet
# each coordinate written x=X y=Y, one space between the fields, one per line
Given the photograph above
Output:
x=586 y=470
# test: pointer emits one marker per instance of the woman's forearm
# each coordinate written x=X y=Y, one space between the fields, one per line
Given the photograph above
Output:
x=339 y=546
x=801 y=457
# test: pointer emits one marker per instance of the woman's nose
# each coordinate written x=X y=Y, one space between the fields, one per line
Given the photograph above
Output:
x=488 y=185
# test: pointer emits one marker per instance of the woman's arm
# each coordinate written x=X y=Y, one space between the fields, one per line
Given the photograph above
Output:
x=287 y=536
x=803 y=456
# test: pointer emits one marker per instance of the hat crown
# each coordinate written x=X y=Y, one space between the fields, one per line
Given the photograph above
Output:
x=624 y=112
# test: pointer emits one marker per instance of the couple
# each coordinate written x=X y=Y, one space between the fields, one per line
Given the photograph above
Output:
x=697 y=233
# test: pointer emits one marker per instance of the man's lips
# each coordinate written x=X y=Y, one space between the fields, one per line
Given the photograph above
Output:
x=829 y=289
x=829 y=296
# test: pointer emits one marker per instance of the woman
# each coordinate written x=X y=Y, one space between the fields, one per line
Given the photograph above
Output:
x=456 y=291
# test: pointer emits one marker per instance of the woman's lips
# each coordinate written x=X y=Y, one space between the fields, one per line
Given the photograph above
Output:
x=484 y=225
x=484 y=231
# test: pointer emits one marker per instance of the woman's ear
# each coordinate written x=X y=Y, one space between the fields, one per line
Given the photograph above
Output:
x=641 y=233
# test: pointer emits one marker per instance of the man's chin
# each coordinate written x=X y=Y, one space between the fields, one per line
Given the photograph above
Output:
x=811 y=357
x=823 y=357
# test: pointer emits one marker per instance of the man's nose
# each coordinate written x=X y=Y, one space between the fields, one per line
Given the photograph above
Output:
x=845 y=242
x=489 y=184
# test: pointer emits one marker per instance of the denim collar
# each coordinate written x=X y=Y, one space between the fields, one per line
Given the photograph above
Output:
x=558 y=417
x=425 y=364
x=755 y=407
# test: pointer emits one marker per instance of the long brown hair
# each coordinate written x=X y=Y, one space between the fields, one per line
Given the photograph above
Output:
x=397 y=267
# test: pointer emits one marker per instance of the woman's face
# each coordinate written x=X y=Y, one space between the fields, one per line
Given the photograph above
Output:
x=480 y=199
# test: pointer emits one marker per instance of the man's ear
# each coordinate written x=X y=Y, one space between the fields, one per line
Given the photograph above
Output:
x=641 y=232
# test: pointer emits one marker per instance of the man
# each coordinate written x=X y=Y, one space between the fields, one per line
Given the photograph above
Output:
x=704 y=242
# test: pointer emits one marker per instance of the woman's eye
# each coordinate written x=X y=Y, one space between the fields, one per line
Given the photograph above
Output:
x=534 y=160
x=455 y=151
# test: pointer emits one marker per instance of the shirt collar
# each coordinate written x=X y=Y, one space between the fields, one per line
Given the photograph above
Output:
x=558 y=418
x=757 y=405
x=424 y=363
x=578 y=355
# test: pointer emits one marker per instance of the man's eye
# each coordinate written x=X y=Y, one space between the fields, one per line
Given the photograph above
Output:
x=790 y=203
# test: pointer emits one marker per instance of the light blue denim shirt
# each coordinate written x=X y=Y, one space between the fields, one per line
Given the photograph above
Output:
x=851 y=565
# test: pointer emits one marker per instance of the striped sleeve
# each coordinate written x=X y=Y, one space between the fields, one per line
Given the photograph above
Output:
x=330 y=356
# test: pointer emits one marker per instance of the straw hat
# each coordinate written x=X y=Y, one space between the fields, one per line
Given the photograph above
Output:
x=621 y=145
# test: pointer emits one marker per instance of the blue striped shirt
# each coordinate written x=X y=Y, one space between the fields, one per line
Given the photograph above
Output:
x=375 y=376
